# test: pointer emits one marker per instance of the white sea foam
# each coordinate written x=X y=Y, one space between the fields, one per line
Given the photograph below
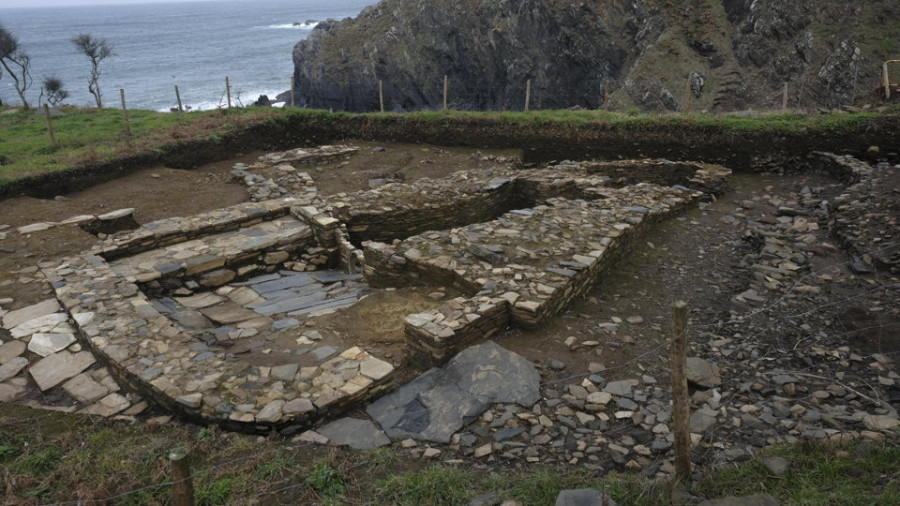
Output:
x=245 y=99
x=298 y=26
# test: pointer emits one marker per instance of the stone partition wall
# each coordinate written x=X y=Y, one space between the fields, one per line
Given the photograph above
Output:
x=528 y=263
x=396 y=211
x=169 y=231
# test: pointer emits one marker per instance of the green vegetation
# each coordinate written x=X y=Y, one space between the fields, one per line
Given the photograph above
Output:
x=58 y=457
x=88 y=136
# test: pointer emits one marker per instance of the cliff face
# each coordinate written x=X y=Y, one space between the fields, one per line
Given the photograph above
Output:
x=737 y=54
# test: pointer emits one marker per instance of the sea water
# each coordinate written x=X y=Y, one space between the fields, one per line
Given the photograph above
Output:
x=157 y=46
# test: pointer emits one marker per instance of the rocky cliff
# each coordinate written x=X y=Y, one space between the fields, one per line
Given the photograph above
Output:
x=733 y=54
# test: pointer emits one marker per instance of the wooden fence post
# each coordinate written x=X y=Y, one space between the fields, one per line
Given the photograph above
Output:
x=182 y=486
x=180 y=108
x=125 y=112
x=681 y=411
x=605 y=96
x=228 y=90
x=446 y=88
x=784 y=99
x=381 y=94
x=887 y=83
x=527 y=94
x=687 y=96
x=49 y=127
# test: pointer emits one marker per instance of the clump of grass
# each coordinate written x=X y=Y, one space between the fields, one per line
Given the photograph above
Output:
x=327 y=480
x=819 y=474
x=39 y=463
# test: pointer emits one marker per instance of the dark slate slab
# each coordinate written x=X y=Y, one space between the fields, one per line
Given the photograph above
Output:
x=191 y=320
x=335 y=303
x=328 y=277
x=440 y=402
x=583 y=497
x=355 y=433
x=284 y=283
x=277 y=306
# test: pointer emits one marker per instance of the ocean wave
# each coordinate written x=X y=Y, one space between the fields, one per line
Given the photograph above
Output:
x=309 y=25
x=246 y=99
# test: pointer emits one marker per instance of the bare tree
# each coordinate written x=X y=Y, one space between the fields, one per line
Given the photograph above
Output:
x=53 y=87
x=97 y=50
x=16 y=62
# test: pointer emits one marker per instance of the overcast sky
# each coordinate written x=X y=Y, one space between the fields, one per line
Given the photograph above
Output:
x=6 y=4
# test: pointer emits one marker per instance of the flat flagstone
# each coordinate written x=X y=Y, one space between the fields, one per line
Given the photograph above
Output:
x=191 y=320
x=283 y=283
x=11 y=350
x=56 y=322
x=11 y=368
x=107 y=406
x=56 y=368
x=438 y=403
x=48 y=344
x=11 y=393
x=201 y=300
x=19 y=316
x=228 y=312
x=36 y=227
x=279 y=306
x=355 y=433
x=84 y=389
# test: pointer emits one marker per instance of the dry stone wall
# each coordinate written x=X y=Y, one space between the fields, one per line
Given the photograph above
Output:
x=519 y=246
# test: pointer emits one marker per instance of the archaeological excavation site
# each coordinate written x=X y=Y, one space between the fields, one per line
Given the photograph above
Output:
x=466 y=305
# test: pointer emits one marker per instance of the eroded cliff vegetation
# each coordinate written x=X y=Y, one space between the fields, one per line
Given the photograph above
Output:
x=738 y=54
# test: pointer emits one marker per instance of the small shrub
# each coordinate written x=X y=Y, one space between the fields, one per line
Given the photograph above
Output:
x=41 y=462
x=326 y=480
x=8 y=452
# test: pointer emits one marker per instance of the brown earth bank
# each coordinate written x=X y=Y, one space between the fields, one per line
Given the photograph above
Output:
x=739 y=150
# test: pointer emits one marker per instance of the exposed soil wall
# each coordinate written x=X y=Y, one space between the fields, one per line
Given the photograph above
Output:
x=741 y=151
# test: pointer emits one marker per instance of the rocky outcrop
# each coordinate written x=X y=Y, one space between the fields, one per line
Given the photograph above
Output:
x=736 y=53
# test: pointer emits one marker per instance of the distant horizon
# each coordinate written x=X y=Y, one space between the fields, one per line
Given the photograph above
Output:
x=33 y=4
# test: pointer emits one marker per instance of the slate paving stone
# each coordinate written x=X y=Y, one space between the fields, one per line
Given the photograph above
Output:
x=328 y=277
x=227 y=313
x=583 y=497
x=53 y=370
x=11 y=350
x=84 y=389
x=11 y=368
x=19 y=316
x=286 y=305
x=191 y=320
x=323 y=352
x=48 y=344
x=283 y=283
x=48 y=323
x=355 y=433
x=438 y=403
